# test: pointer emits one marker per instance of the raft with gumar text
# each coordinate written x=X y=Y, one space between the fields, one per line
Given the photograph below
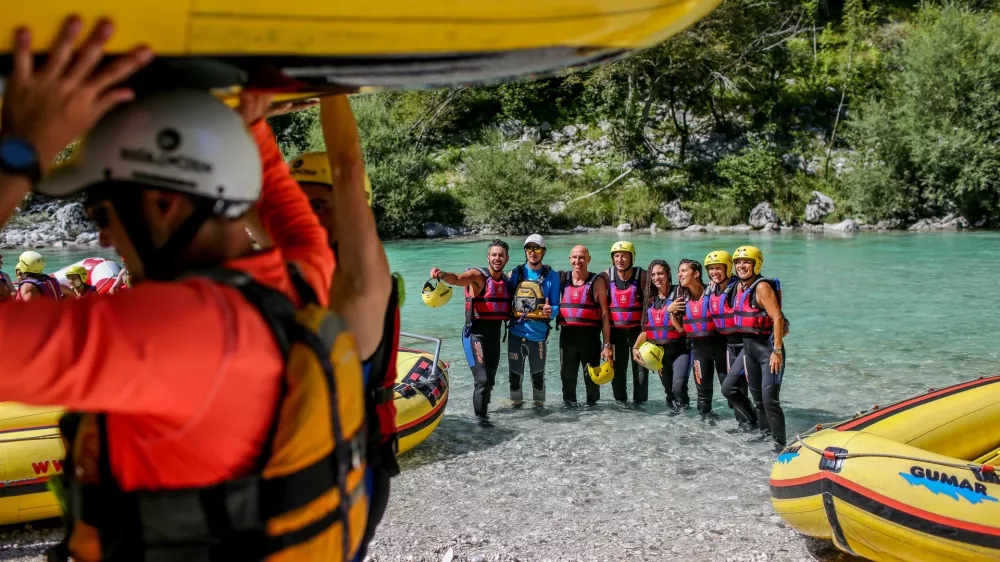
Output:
x=31 y=450
x=915 y=480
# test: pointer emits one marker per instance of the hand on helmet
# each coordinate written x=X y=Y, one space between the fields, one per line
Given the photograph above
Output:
x=52 y=105
x=607 y=354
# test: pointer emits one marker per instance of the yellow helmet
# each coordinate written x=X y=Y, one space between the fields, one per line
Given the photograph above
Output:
x=720 y=257
x=78 y=270
x=652 y=356
x=436 y=294
x=314 y=167
x=623 y=246
x=750 y=253
x=602 y=374
x=30 y=262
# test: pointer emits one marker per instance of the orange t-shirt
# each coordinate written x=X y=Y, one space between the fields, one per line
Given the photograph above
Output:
x=187 y=371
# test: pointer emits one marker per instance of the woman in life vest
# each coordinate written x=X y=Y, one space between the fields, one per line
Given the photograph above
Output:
x=756 y=303
x=694 y=317
x=661 y=294
x=78 y=276
x=727 y=343
x=487 y=307
x=6 y=287
x=34 y=283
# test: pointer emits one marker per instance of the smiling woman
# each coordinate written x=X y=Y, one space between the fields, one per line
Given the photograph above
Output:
x=396 y=43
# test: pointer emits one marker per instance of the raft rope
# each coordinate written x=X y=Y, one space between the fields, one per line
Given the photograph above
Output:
x=36 y=438
x=984 y=468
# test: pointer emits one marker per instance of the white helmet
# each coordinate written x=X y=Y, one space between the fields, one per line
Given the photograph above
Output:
x=182 y=140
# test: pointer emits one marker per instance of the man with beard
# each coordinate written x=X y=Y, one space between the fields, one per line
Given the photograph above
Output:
x=583 y=320
x=625 y=282
x=535 y=303
x=487 y=307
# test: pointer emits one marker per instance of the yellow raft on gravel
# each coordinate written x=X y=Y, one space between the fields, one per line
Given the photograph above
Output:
x=915 y=480
x=31 y=450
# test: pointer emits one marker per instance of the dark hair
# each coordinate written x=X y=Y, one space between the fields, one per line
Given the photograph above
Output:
x=498 y=243
x=649 y=289
x=696 y=267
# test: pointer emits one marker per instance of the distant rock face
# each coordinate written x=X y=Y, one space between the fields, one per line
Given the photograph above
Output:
x=675 y=215
x=433 y=229
x=818 y=207
x=72 y=220
x=695 y=228
x=624 y=227
x=949 y=222
x=763 y=214
x=846 y=225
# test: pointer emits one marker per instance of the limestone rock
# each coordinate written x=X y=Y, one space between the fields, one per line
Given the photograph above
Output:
x=763 y=214
x=676 y=216
x=819 y=206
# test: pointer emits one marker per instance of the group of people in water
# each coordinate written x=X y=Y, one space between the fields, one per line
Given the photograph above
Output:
x=723 y=320
x=236 y=402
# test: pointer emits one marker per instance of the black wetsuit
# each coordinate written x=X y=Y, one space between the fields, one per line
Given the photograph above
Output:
x=622 y=339
x=482 y=351
x=579 y=347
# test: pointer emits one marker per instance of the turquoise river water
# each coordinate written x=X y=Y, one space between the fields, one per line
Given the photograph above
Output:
x=874 y=318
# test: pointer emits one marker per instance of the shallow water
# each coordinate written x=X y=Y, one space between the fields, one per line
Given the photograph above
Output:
x=874 y=318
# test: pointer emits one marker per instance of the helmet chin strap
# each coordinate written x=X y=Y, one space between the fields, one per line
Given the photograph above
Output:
x=160 y=263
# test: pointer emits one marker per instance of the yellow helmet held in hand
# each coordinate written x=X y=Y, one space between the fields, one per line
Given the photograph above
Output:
x=623 y=246
x=436 y=293
x=750 y=253
x=78 y=270
x=314 y=167
x=602 y=374
x=30 y=262
x=720 y=257
x=652 y=356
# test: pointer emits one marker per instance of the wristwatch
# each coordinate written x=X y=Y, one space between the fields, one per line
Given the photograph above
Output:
x=608 y=346
x=778 y=351
x=18 y=157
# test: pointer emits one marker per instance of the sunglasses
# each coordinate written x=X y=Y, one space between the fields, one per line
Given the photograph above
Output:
x=533 y=249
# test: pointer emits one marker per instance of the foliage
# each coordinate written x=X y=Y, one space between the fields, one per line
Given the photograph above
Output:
x=929 y=139
x=505 y=189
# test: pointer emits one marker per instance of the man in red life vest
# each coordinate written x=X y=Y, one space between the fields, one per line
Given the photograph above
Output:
x=584 y=322
x=625 y=283
x=487 y=307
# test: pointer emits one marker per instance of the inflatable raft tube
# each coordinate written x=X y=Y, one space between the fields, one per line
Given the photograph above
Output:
x=915 y=480
x=294 y=46
x=102 y=273
x=31 y=452
x=421 y=392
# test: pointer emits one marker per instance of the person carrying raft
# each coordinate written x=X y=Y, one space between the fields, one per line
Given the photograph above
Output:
x=232 y=424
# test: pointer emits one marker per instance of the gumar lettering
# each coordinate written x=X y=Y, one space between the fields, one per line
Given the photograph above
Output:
x=949 y=485
x=42 y=467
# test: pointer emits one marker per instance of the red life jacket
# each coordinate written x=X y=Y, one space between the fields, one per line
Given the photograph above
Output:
x=87 y=290
x=578 y=307
x=722 y=309
x=625 y=306
x=493 y=304
x=49 y=287
x=749 y=316
x=658 y=328
x=698 y=318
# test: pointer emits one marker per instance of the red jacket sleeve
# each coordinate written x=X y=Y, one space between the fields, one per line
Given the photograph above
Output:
x=289 y=219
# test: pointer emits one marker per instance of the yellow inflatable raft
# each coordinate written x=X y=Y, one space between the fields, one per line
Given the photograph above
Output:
x=31 y=450
x=392 y=43
x=421 y=393
x=915 y=480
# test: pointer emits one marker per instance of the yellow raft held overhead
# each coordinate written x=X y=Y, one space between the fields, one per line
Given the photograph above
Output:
x=915 y=480
x=388 y=44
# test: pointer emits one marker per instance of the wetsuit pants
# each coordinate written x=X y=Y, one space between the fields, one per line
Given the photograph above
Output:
x=623 y=339
x=519 y=352
x=482 y=351
x=703 y=366
x=765 y=385
x=675 y=372
x=579 y=347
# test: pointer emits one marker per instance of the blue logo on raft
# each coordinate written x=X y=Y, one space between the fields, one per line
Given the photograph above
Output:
x=948 y=485
x=785 y=458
